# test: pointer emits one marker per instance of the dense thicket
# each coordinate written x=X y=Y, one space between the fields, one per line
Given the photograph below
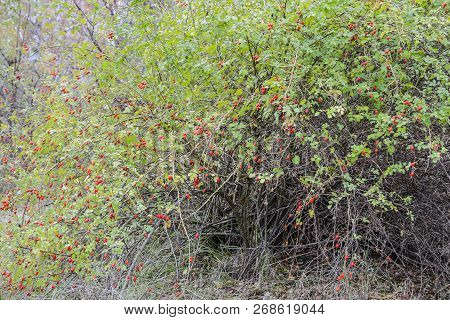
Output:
x=253 y=135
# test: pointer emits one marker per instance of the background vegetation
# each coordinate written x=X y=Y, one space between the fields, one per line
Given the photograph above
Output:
x=215 y=149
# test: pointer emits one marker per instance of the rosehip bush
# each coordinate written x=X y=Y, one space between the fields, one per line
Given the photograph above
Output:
x=307 y=131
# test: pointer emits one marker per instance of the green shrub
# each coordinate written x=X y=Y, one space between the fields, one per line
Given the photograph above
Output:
x=316 y=131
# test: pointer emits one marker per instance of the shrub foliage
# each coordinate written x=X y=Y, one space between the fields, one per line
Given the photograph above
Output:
x=305 y=132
